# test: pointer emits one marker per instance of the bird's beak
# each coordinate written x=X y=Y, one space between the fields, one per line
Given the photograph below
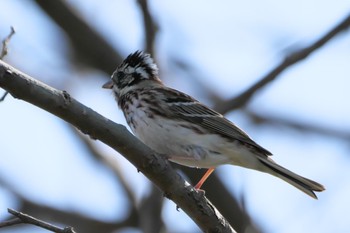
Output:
x=108 y=85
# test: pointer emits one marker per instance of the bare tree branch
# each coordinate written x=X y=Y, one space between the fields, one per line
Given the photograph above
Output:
x=230 y=207
x=51 y=9
x=89 y=46
x=86 y=224
x=27 y=219
x=5 y=42
x=245 y=96
x=152 y=165
x=11 y=222
x=3 y=96
x=270 y=119
x=4 y=52
x=150 y=26
x=81 y=223
x=150 y=211
x=109 y=163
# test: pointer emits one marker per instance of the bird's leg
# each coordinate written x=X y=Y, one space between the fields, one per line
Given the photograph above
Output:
x=204 y=178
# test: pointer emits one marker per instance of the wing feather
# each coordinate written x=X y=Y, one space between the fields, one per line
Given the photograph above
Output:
x=188 y=109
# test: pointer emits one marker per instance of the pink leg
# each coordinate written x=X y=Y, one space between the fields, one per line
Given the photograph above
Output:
x=204 y=178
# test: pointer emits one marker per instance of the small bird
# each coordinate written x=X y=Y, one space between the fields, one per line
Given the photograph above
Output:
x=189 y=133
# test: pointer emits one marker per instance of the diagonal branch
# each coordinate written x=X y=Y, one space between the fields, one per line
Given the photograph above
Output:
x=152 y=165
x=27 y=219
x=109 y=163
x=89 y=46
x=86 y=224
x=245 y=96
x=5 y=43
x=3 y=96
x=4 y=52
x=11 y=222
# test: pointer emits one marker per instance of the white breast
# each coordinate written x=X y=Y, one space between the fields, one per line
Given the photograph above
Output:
x=183 y=145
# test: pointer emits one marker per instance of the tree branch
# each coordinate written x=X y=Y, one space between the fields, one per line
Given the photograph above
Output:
x=11 y=222
x=4 y=52
x=149 y=26
x=109 y=163
x=89 y=46
x=5 y=42
x=86 y=224
x=152 y=165
x=3 y=96
x=270 y=119
x=150 y=212
x=27 y=219
x=243 y=98
x=227 y=203
x=53 y=9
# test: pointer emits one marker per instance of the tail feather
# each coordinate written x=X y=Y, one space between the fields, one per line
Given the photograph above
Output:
x=305 y=185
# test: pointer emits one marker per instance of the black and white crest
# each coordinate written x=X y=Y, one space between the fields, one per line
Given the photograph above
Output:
x=137 y=67
x=142 y=63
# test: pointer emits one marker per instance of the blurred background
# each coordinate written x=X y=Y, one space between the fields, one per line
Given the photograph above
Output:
x=211 y=50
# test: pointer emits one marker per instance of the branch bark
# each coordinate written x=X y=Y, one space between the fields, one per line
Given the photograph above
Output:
x=56 y=8
x=152 y=165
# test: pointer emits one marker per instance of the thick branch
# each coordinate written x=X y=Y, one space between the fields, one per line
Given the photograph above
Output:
x=152 y=165
x=229 y=205
x=245 y=96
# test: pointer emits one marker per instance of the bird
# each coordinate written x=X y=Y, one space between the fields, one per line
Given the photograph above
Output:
x=186 y=131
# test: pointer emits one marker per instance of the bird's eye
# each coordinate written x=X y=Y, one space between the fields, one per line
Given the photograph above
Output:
x=120 y=75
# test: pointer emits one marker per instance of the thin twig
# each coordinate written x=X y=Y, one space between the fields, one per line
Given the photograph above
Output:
x=3 y=96
x=4 y=52
x=85 y=223
x=5 y=43
x=11 y=222
x=27 y=219
x=245 y=96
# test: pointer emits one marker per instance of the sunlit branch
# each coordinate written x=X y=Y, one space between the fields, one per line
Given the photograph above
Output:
x=152 y=165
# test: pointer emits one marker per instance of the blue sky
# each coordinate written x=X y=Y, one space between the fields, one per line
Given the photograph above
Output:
x=230 y=45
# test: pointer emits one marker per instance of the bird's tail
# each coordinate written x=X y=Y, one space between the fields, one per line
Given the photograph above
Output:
x=306 y=185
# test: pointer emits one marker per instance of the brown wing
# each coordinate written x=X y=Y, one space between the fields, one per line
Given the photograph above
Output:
x=188 y=109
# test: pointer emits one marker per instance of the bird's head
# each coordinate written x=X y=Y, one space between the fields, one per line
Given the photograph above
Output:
x=136 y=68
